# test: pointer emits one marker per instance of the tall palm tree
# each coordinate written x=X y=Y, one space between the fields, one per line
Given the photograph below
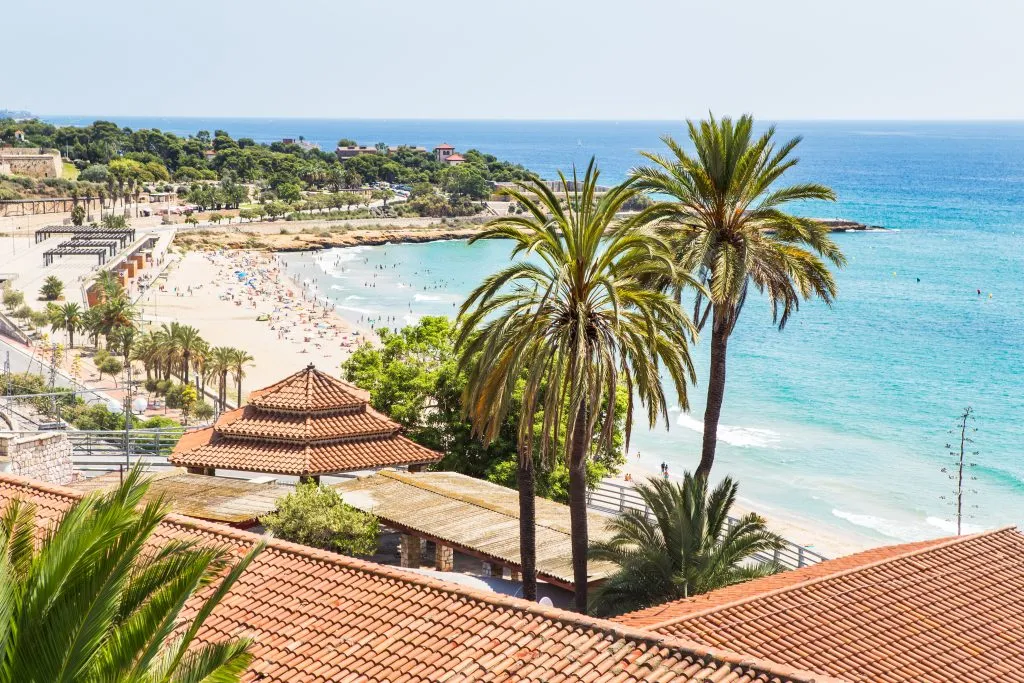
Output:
x=68 y=318
x=726 y=224
x=688 y=548
x=221 y=360
x=569 y=330
x=189 y=341
x=116 y=313
x=145 y=350
x=240 y=358
x=92 y=324
x=93 y=602
x=108 y=283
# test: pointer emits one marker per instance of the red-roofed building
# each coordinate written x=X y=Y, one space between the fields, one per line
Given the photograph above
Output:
x=443 y=151
x=317 y=617
x=306 y=425
x=454 y=159
x=949 y=610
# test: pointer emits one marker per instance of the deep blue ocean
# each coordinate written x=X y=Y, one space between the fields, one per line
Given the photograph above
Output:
x=843 y=418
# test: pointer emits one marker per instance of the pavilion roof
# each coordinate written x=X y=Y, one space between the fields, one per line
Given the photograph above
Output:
x=315 y=616
x=942 y=611
x=307 y=424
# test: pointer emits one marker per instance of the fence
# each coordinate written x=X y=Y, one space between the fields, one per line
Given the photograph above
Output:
x=104 y=451
x=615 y=498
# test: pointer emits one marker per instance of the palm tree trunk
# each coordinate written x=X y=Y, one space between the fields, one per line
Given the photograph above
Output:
x=716 y=393
x=578 y=509
x=239 y=391
x=527 y=525
x=184 y=365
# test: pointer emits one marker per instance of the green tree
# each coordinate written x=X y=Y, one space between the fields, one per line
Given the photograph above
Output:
x=240 y=359
x=78 y=215
x=12 y=298
x=688 y=548
x=726 y=223
x=316 y=515
x=109 y=365
x=576 y=324
x=68 y=318
x=93 y=602
x=189 y=397
x=52 y=289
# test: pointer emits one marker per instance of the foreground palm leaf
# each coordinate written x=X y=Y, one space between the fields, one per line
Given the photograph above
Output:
x=688 y=548
x=571 y=325
x=98 y=601
x=725 y=223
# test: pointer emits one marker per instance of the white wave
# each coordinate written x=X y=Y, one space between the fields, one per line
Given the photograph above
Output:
x=886 y=527
x=426 y=297
x=949 y=526
x=743 y=437
x=354 y=297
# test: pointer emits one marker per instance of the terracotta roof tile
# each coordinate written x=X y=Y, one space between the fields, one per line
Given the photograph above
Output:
x=308 y=390
x=306 y=424
x=316 y=616
x=942 y=611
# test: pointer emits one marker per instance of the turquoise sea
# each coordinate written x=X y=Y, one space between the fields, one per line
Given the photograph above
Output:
x=842 y=418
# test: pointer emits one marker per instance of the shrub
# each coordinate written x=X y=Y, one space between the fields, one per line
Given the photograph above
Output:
x=13 y=298
x=316 y=515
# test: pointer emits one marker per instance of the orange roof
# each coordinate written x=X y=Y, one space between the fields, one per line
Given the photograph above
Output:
x=309 y=390
x=455 y=157
x=936 y=611
x=307 y=424
x=444 y=145
x=315 y=617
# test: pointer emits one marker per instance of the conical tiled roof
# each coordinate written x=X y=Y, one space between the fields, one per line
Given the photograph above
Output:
x=307 y=424
x=309 y=390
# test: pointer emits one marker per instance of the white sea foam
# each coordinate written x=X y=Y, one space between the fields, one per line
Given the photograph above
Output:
x=886 y=527
x=743 y=437
x=354 y=297
x=950 y=526
x=426 y=297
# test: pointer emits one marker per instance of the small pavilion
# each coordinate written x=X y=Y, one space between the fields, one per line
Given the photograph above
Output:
x=307 y=425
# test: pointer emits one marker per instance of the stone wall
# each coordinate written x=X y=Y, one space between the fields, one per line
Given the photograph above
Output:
x=46 y=457
x=35 y=165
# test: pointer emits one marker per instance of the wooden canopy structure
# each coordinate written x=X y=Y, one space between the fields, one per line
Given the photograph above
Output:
x=236 y=502
x=473 y=517
x=307 y=425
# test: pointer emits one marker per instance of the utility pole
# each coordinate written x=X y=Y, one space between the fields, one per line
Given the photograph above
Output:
x=53 y=380
x=127 y=413
x=960 y=462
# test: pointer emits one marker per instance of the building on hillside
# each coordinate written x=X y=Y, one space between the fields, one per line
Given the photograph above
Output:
x=472 y=521
x=317 y=616
x=307 y=425
x=348 y=152
x=454 y=159
x=19 y=135
x=306 y=145
x=949 y=610
x=443 y=151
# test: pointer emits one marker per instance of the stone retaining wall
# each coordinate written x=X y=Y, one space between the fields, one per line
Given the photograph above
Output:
x=46 y=457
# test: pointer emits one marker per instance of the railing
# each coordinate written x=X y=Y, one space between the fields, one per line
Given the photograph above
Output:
x=615 y=498
x=105 y=451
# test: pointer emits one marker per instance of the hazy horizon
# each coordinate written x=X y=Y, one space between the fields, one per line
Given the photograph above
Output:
x=791 y=60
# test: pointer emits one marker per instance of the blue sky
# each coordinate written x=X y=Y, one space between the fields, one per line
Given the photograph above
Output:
x=602 y=59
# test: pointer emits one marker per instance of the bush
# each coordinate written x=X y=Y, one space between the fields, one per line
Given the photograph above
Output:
x=13 y=298
x=202 y=411
x=315 y=515
x=151 y=385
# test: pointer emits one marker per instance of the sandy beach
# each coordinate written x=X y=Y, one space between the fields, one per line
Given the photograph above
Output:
x=209 y=291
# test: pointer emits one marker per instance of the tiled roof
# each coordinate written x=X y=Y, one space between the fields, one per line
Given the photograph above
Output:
x=206 y=449
x=254 y=423
x=308 y=390
x=455 y=157
x=476 y=516
x=941 y=611
x=307 y=424
x=316 y=617
x=444 y=145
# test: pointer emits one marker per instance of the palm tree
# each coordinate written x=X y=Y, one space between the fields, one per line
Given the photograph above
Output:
x=726 y=223
x=240 y=358
x=108 y=283
x=221 y=359
x=93 y=602
x=189 y=341
x=68 y=318
x=116 y=313
x=92 y=323
x=145 y=350
x=569 y=330
x=688 y=548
